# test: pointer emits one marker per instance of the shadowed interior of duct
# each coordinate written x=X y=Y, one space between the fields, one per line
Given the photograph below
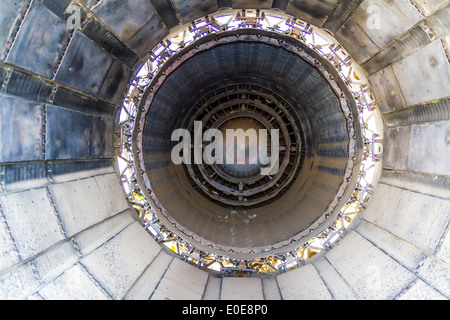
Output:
x=250 y=80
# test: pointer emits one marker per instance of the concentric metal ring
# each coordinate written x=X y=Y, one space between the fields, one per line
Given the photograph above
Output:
x=243 y=185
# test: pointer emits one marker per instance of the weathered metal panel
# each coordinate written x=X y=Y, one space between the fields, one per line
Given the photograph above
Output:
x=75 y=135
x=101 y=145
x=429 y=112
x=120 y=261
x=21 y=130
x=22 y=176
x=420 y=148
x=395 y=18
x=428 y=6
x=429 y=150
x=78 y=102
x=340 y=14
x=58 y=7
x=415 y=209
x=440 y=22
x=68 y=134
x=386 y=90
x=82 y=57
x=32 y=220
x=315 y=12
x=40 y=36
x=108 y=41
x=356 y=42
x=27 y=87
x=303 y=284
x=396 y=148
x=116 y=82
x=35 y=89
x=189 y=10
x=63 y=171
x=125 y=18
x=29 y=175
x=149 y=36
x=79 y=204
x=241 y=289
x=166 y=12
x=370 y=272
x=435 y=186
x=252 y=4
x=411 y=41
x=9 y=12
x=431 y=67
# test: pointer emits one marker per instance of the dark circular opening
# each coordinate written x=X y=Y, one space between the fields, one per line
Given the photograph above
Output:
x=249 y=121
x=273 y=83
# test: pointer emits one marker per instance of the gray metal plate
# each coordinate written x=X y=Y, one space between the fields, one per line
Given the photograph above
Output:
x=21 y=130
x=40 y=36
x=396 y=17
x=74 y=135
x=125 y=18
x=431 y=66
x=85 y=65
x=9 y=12
x=190 y=10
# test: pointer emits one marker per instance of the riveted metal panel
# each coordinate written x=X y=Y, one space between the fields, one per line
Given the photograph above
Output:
x=124 y=18
x=27 y=87
x=41 y=36
x=388 y=100
x=359 y=46
x=79 y=204
x=78 y=102
x=68 y=134
x=75 y=135
x=22 y=176
x=83 y=57
x=430 y=65
x=32 y=220
x=35 y=89
x=396 y=17
x=396 y=148
x=9 y=12
x=21 y=130
x=29 y=175
x=430 y=148
x=69 y=170
x=148 y=37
